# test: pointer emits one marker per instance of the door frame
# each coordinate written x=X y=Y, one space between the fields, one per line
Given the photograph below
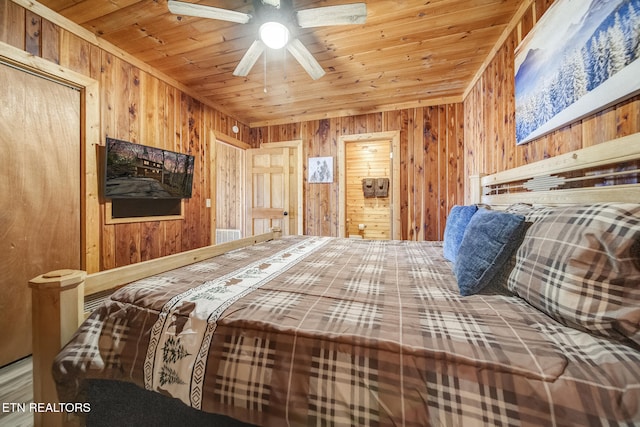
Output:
x=89 y=143
x=394 y=137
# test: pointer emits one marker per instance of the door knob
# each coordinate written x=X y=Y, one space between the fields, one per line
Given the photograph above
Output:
x=285 y=213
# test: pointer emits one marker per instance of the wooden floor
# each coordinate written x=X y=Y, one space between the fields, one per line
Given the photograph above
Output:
x=16 y=389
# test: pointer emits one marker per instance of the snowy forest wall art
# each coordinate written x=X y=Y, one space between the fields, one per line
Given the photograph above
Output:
x=580 y=57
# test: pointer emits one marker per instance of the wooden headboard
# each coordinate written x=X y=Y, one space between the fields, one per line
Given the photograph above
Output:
x=605 y=172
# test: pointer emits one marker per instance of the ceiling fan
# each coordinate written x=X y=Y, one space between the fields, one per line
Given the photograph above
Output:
x=278 y=22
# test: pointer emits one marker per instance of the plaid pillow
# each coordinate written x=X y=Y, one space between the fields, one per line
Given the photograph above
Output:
x=581 y=266
x=531 y=214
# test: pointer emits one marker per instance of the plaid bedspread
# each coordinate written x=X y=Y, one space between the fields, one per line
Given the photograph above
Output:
x=323 y=331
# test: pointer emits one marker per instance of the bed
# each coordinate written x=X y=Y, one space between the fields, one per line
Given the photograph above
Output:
x=527 y=313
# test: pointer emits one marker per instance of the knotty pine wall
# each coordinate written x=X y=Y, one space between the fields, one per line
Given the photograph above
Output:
x=432 y=164
x=137 y=106
x=489 y=115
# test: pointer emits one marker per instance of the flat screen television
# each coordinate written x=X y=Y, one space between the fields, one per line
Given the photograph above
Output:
x=135 y=171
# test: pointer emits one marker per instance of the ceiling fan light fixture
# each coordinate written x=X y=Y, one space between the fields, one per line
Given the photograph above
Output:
x=274 y=34
x=279 y=23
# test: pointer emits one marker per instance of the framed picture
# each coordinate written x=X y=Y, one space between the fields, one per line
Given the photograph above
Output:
x=581 y=57
x=320 y=169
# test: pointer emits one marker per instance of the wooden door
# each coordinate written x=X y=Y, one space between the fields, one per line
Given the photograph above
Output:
x=39 y=195
x=269 y=185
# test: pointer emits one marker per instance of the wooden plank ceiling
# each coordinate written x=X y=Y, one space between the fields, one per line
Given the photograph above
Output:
x=408 y=53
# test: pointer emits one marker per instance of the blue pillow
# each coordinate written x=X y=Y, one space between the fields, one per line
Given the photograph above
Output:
x=457 y=221
x=488 y=242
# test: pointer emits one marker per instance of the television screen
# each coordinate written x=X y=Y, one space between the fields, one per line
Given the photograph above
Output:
x=138 y=171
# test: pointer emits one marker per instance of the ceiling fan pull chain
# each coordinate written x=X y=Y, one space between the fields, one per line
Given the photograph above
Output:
x=284 y=63
x=265 y=71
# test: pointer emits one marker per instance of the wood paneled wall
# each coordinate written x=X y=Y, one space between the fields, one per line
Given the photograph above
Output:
x=139 y=106
x=432 y=149
x=489 y=115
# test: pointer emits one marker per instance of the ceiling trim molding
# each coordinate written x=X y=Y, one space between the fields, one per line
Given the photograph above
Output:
x=357 y=112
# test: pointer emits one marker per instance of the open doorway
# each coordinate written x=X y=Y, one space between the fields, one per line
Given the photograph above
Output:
x=370 y=159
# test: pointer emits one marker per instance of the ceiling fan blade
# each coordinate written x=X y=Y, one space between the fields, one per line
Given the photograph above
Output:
x=346 y=14
x=305 y=58
x=202 y=11
x=249 y=59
